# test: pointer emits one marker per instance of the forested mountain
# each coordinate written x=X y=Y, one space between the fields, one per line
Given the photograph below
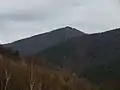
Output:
x=37 y=43
x=93 y=56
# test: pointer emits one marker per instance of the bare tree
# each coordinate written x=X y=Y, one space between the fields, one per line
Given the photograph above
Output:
x=5 y=80
x=32 y=80
x=5 y=75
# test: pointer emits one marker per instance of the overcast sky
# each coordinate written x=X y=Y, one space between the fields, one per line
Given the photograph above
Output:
x=23 y=18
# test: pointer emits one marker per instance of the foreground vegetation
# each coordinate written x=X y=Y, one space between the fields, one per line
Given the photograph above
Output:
x=23 y=76
x=20 y=75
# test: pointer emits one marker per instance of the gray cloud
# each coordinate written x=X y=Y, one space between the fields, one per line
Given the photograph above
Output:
x=23 y=18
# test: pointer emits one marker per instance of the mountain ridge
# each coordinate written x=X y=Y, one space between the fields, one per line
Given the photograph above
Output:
x=40 y=42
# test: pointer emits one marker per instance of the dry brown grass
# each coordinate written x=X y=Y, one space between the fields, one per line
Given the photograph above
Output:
x=22 y=76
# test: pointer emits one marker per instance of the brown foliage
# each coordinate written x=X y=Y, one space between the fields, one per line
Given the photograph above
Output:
x=29 y=76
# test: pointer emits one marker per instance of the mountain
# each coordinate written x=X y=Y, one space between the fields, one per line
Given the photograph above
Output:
x=95 y=56
x=43 y=41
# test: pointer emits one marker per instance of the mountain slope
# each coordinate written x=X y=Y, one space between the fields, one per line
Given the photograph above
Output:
x=41 y=42
x=95 y=55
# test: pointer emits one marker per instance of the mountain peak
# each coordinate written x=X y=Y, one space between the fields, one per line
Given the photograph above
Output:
x=68 y=30
x=68 y=27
